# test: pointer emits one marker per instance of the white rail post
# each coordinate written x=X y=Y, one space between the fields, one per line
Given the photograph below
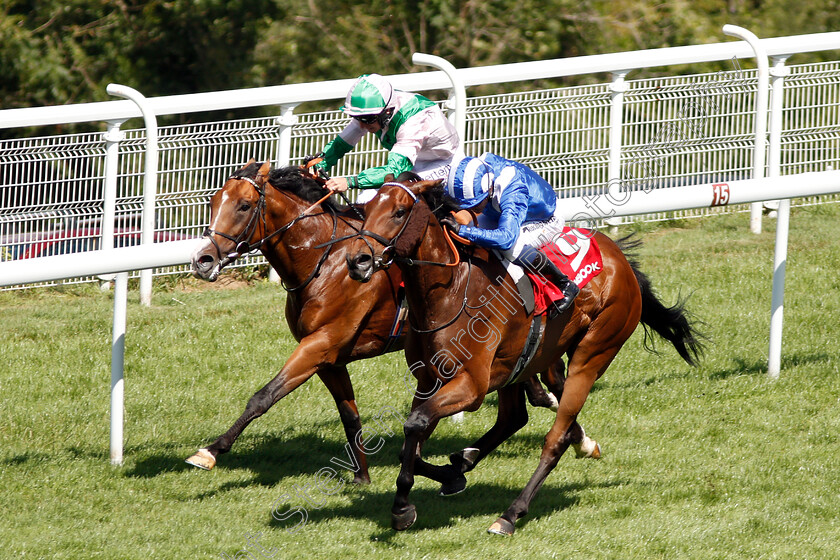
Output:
x=285 y=121
x=117 y=368
x=460 y=109
x=760 y=112
x=458 y=88
x=150 y=186
x=774 y=354
x=618 y=87
x=113 y=136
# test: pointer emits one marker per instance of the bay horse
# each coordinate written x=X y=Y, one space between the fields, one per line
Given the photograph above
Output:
x=335 y=320
x=467 y=335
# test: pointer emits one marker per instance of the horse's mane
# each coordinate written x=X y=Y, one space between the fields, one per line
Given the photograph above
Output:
x=290 y=179
x=440 y=202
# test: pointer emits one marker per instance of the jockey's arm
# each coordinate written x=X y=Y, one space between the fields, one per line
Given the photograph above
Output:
x=372 y=177
x=340 y=145
x=333 y=152
x=514 y=204
x=375 y=176
x=408 y=142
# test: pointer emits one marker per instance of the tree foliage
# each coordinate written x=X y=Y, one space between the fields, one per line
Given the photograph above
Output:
x=67 y=51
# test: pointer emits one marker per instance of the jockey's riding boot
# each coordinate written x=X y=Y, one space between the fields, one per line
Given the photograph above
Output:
x=539 y=262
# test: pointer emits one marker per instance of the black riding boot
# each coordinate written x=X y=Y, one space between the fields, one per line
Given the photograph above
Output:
x=539 y=262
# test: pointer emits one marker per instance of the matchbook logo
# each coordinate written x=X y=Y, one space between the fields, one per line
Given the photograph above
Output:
x=586 y=271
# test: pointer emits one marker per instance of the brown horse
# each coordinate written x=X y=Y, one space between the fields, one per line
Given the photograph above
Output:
x=335 y=319
x=468 y=333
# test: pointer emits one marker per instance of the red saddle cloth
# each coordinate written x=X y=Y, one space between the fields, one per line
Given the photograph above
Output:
x=576 y=253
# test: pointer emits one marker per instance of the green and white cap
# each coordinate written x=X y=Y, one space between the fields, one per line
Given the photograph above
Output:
x=369 y=95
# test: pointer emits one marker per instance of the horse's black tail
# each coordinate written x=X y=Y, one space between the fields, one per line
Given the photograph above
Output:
x=671 y=323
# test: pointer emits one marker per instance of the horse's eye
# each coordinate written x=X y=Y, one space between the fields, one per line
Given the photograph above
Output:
x=399 y=213
x=244 y=206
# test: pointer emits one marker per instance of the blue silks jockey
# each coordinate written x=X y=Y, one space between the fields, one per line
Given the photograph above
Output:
x=517 y=213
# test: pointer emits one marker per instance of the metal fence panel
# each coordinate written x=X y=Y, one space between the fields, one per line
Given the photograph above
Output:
x=676 y=131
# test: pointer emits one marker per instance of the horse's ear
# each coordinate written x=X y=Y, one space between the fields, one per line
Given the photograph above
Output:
x=262 y=174
x=422 y=187
x=389 y=178
x=250 y=161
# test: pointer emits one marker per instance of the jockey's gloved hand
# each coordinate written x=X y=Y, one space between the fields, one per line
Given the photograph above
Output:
x=449 y=222
x=307 y=159
x=319 y=168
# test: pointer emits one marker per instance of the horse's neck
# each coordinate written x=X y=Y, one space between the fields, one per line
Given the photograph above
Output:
x=293 y=253
x=432 y=290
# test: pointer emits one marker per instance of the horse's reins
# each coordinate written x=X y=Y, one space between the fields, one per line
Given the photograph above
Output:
x=242 y=247
x=320 y=177
x=389 y=252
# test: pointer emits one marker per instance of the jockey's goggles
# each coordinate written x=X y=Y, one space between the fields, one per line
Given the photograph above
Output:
x=366 y=119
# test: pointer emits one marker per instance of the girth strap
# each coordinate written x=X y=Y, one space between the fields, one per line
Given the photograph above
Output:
x=399 y=320
x=532 y=343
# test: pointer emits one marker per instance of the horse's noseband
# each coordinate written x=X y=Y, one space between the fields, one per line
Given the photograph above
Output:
x=241 y=243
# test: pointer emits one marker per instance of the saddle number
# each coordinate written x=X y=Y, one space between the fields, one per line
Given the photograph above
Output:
x=573 y=245
x=720 y=194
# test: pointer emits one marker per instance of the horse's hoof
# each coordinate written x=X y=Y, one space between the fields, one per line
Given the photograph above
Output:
x=404 y=520
x=588 y=449
x=502 y=527
x=203 y=459
x=361 y=480
x=454 y=486
x=464 y=459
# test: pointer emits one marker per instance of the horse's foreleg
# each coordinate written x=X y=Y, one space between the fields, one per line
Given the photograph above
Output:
x=512 y=416
x=338 y=383
x=457 y=395
x=306 y=359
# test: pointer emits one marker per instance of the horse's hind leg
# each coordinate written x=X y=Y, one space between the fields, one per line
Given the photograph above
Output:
x=585 y=367
x=584 y=446
x=338 y=383
x=538 y=396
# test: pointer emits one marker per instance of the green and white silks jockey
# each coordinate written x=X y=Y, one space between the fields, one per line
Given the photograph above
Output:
x=413 y=128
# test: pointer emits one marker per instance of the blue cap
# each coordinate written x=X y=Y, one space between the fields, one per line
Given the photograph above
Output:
x=469 y=182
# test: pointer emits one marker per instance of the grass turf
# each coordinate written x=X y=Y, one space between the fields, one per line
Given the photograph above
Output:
x=715 y=462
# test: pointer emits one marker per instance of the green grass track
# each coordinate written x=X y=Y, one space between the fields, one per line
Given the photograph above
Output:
x=712 y=463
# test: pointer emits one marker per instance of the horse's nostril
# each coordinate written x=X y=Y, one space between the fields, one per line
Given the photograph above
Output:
x=363 y=260
x=205 y=260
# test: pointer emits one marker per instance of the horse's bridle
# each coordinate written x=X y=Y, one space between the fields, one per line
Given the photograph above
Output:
x=243 y=247
x=389 y=252
x=240 y=242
